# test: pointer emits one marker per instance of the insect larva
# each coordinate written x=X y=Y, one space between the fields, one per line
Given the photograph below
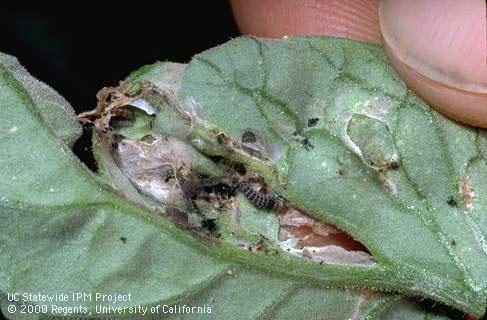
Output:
x=259 y=199
x=249 y=137
x=120 y=123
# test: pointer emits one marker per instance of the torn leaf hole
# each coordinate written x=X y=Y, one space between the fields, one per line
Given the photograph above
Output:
x=307 y=237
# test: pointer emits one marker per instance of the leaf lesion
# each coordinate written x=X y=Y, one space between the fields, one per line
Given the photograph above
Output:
x=189 y=197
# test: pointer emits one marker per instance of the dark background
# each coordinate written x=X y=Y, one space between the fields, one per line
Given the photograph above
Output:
x=80 y=52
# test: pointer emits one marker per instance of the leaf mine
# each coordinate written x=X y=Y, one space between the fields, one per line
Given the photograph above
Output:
x=355 y=167
x=156 y=168
x=308 y=237
x=207 y=240
x=201 y=192
x=379 y=164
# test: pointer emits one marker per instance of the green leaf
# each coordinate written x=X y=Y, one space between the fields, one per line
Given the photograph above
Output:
x=66 y=230
x=420 y=221
x=62 y=230
x=55 y=110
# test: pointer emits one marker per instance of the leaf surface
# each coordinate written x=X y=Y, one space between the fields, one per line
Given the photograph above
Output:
x=66 y=230
x=378 y=163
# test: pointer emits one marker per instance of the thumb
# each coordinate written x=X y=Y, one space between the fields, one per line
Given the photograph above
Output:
x=354 y=19
x=438 y=47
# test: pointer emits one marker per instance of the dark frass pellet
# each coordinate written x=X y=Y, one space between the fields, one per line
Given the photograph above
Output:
x=451 y=201
x=313 y=122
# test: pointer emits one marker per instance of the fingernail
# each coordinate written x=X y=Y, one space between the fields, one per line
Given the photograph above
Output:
x=438 y=47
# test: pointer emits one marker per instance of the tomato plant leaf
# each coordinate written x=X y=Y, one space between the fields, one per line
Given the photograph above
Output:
x=337 y=134
x=379 y=163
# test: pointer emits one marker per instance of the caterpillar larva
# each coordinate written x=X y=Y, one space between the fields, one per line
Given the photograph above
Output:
x=259 y=199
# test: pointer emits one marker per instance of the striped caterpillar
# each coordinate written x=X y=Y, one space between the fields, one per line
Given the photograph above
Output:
x=259 y=199
x=120 y=122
